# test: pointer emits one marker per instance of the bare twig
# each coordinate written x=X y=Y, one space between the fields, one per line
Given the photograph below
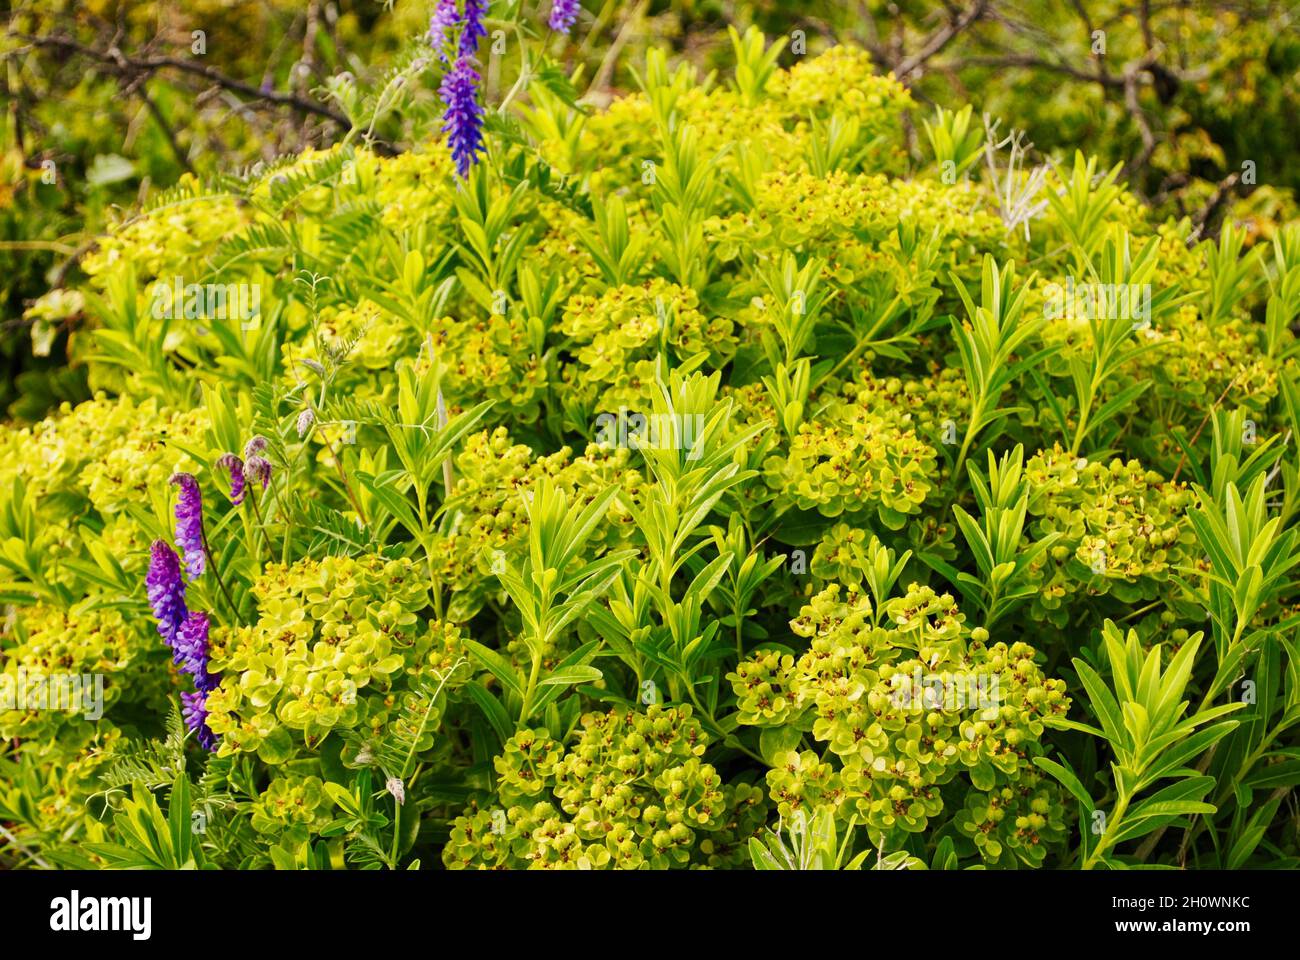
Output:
x=1032 y=61
x=120 y=61
x=940 y=39
x=1206 y=213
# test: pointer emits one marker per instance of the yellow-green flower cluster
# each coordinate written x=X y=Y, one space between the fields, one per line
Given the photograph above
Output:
x=856 y=456
x=1123 y=530
x=615 y=147
x=905 y=700
x=843 y=80
x=60 y=672
x=841 y=554
x=558 y=251
x=288 y=801
x=174 y=239
x=112 y=452
x=1014 y=823
x=488 y=356
x=69 y=765
x=491 y=521
x=618 y=334
x=933 y=405
x=332 y=640
x=411 y=187
x=1198 y=363
x=630 y=792
x=846 y=218
x=373 y=335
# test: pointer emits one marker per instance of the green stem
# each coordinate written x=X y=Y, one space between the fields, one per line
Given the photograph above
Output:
x=1108 y=836
x=1085 y=410
x=397 y=832
x=288 y=524
x=533 y=674
x=207 y=550
x=976 y=413
x=740 y=645
x=715 y=728
x=856 y=351
x=426 y=536
x=261 y=524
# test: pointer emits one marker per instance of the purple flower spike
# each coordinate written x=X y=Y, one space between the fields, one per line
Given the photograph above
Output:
x=235 y=467
x=475 y=30
x=255 y=447
x=563 y=13
x=463 y=120
x=305 y=420
x=192 y=651
x=445 y=16
x=194 y=707
x=166 y=589
x=192 y=655
x=189 y=524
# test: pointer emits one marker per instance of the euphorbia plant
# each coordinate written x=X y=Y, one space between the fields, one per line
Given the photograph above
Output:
x=1144 y=720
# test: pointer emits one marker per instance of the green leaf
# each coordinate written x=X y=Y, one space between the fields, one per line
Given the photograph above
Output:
x=492 y=709
x=496 y=665
x=571 y=675
x=774 y=741
x=1068 y=780
x=1103 y=702
x=761 y=858
x=178 y=817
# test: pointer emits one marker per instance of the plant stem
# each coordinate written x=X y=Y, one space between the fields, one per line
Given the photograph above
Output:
x=397 y=832
x=858 y=348
x=708 y=720
x=1112 y=827
x=533 y=674
x=207 y=550
x=1085 y=409
x=257 y=512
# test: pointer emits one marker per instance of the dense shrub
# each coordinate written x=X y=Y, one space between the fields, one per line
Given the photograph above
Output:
x=684 y=476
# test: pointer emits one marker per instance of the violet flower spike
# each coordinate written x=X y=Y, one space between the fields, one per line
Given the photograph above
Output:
x=194 y=708
x=255 y=447
x=445 y=16
x=305 y=420
x=166 y=590
x=463 y=120
x=235 y=467
x=563 y=13
x=192 y=655
x=475 y=30
x=192 y=651
x=189 y=524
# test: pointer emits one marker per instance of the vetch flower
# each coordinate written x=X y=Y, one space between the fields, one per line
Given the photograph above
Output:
x=563 y=13
x=192 y=654
x=235 y=467
x=192 y=651
x=305 y=420
x=463 y=120
x=258 y=470
x=189 y=524
x=194 y=708
x=445 y=16
x=475 y=30
x=166 y=589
